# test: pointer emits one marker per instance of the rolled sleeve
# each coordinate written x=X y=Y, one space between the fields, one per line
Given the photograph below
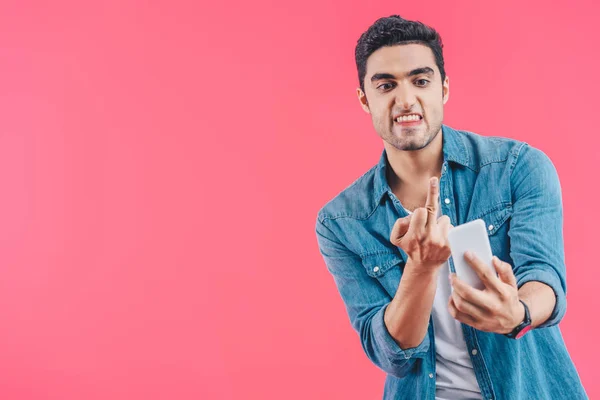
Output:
x=365 y=301
x=550 y=278
x=385 y=341
x=536 y=231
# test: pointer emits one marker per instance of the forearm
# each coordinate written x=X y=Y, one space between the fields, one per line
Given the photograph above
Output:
x=540 y=300
x=407 y=316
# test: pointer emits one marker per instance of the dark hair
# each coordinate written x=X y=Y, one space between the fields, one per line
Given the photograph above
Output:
x=395 y=30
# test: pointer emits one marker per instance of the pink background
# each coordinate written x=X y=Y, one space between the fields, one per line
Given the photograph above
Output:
x=162 y=164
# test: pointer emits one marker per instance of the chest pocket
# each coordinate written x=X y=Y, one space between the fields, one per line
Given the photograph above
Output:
x=497 y=221
x=386 y=268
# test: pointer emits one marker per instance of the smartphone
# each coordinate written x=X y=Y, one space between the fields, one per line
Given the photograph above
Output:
x=471 y=236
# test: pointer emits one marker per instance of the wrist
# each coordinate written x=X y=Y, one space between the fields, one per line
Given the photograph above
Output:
x=522 y=327
x=423 y=270
x=519 y=315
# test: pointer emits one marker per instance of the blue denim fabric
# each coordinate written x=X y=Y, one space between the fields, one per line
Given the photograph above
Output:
x=515 y=189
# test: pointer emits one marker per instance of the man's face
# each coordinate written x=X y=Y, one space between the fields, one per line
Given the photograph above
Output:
x=404 y=80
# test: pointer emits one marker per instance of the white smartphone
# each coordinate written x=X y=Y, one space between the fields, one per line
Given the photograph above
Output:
x=473 y=237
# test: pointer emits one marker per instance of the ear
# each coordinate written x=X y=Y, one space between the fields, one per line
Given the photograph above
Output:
x=362 y=98
x=446 y=90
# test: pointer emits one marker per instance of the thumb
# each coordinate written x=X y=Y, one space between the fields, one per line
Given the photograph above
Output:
x=505 y=272
x=400 y=228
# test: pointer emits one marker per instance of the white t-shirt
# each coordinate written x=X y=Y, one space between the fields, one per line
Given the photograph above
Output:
x=455 y=378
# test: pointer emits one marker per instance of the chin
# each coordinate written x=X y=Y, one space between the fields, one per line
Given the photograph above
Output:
x=413 y=146
x=410 y=143
x=406 y=145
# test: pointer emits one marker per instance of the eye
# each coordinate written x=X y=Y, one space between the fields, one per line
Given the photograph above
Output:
x=382 y=85
x=424 y=82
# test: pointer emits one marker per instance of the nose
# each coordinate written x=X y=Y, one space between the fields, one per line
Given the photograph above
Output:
x=405 y=97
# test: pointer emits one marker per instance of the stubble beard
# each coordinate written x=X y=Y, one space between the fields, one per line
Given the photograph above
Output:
x=410 y=140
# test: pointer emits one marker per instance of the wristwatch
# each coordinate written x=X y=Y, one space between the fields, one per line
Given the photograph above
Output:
x=523 y=327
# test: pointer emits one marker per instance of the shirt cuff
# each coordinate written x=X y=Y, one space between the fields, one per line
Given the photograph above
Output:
x=551 y=279
x=386 y=342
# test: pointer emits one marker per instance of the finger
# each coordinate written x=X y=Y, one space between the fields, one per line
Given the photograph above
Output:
x=444 y=220
x=459 y=316
x=505 y=271
x=399 y=229
x=418 y=223
x=468 y=292
x=485 y=273
x=444 y=224
x=466 y=307
x=431 y=204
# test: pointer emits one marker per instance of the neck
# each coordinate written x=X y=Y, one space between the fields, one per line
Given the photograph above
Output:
x=413 y=167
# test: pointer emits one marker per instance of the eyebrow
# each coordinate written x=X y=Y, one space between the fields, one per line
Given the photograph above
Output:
x=417 y=71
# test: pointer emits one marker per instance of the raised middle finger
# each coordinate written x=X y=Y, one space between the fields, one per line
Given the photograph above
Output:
x=433 y=198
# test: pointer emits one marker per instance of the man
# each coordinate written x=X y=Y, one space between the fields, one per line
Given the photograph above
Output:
x=384 y=240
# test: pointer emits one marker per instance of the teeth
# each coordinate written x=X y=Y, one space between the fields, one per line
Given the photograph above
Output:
x=406 y=118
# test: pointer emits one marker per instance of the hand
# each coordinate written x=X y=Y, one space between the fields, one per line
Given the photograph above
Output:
x=496 y=308
x=421 y=236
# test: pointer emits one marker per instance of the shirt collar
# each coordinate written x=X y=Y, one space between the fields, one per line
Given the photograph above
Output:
x=453 y=148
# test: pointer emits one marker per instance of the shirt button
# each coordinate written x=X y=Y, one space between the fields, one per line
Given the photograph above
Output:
x=447 y=201
x=376 y=269
x=431 y=375
x=490 y=227
x=474 y=352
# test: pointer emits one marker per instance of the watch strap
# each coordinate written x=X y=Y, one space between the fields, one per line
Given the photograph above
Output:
x=523 y=327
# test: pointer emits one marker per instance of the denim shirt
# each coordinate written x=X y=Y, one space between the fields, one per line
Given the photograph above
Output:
x=515 y=189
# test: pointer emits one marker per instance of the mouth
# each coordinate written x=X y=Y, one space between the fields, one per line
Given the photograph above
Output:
x=408 y=120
